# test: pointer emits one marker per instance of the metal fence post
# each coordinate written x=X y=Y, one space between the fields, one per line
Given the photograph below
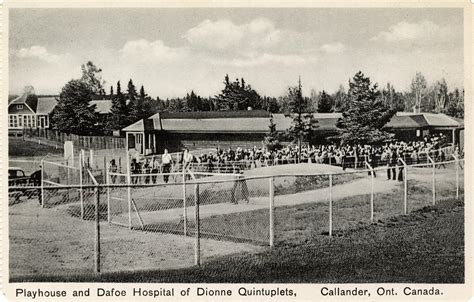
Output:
x=272 y=205
x=185 y=211
x=42 y=183
x=330 y=205
x=197 y=245
x=81 y=192
x=456 y=162
x=405 y=186
x=371 y=191
x=97 y=231
x=107 y=181
x=129 y=191
x=434 y=178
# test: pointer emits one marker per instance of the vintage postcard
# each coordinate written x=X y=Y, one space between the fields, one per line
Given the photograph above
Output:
x=236 y=150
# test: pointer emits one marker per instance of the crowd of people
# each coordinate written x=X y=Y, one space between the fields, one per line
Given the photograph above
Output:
x=239 y=159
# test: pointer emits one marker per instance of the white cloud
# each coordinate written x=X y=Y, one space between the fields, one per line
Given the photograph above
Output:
x=264 y=59
x=143 y=51
x=333 y=48
x=421 y=31
x=225 y=35
x=41 y=53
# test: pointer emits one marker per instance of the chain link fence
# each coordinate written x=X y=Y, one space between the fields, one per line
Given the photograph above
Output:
x=164 y=221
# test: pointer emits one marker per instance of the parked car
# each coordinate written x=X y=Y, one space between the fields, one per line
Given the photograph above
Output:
x=17 y=178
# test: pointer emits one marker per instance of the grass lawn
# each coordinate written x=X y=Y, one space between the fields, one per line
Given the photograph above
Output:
x=412 y=248
x=19 y=147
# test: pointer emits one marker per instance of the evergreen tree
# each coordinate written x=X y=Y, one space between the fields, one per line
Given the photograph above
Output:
x=178 y=105
x=237 y=95
x=119 y=112
x=73 y=112
x=111 y=90
x=193 y=102
x=143 y=105
x=325 y=104
x=363 y=122
x=272 y=141
x=133 y=105
x=303 y=125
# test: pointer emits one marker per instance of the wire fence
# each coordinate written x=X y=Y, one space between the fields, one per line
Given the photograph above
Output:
x=163 y=221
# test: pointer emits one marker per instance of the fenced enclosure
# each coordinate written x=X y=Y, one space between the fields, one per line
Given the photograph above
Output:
x=161 y=221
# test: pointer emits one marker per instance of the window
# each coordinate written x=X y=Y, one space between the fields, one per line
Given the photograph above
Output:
x=13 y=121
x=20 y=121
x=19 y=107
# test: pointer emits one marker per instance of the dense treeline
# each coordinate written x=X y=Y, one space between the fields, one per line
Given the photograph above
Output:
x=74 y=113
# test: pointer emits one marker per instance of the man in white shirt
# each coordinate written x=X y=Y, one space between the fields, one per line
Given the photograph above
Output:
x=166 y=162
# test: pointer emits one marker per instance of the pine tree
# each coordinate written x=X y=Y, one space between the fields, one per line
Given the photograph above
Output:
x=73 y=112
x=272 y=141
x=119 y=112
x=326 y=103
x=133 y=102
x=363 y=122
x=303 y=124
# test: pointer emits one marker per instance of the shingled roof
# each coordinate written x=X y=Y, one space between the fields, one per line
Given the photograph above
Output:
x=255 y=121
x=406 y=120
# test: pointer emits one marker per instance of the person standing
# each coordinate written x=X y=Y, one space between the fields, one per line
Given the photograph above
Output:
x=166 y=164
x=400 y=168
x=386 y=160
x=113 y=169
x=393 y=163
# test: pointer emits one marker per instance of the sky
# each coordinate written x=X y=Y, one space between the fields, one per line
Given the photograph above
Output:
x=172 y=51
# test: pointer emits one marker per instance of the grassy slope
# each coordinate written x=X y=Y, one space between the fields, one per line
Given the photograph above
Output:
x=412 y=248
x=18 y=147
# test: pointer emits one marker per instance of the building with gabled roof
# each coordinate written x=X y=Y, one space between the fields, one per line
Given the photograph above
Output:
x=31 y=112
x=245 y=129
x=414 y=126
x=210 y=129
